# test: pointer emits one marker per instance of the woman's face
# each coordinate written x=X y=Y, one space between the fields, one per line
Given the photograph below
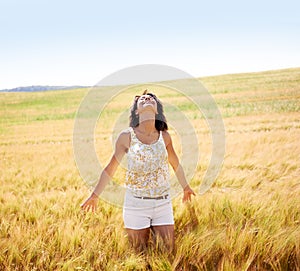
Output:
x=146 y=102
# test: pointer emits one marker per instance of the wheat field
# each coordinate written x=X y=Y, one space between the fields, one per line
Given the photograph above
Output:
x=248 y=220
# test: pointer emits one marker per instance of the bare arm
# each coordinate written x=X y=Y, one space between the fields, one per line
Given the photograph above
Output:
x=174 y=162
x=122 y=144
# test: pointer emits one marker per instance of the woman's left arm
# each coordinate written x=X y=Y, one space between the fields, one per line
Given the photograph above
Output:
x=174 y=162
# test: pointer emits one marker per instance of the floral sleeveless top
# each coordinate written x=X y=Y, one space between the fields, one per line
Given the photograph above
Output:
x=148 y=169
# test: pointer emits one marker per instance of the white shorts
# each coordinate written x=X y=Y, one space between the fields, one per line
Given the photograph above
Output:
x=144 y=213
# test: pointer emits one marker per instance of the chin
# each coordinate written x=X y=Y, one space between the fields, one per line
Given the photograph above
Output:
x=148 y=105
x=150 y=108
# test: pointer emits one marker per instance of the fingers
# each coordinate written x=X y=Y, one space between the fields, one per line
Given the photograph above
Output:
x=191 y=191
x=188 y=195
x=186 y=198
x=88 y=207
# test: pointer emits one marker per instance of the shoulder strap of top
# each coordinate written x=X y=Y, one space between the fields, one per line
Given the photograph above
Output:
x=132 y=133
x=161 y=138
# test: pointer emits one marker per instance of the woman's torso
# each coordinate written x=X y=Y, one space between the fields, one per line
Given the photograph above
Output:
x=147 y=169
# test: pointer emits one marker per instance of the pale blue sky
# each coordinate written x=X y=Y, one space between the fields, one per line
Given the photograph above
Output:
x=80 y=42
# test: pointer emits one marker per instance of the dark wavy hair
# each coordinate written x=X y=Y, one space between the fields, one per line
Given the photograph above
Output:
x=160 y=119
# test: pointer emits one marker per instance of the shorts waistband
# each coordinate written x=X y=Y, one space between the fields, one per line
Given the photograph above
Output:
x=156 y=198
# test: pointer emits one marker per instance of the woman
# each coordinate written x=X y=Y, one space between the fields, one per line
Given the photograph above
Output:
x=149 y=148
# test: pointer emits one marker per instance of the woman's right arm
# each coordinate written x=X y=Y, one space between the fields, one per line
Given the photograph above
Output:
x=122 y=145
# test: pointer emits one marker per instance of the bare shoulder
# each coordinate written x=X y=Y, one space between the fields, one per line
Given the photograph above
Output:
x=124 y=138
x=125 y=133
x=167 y=138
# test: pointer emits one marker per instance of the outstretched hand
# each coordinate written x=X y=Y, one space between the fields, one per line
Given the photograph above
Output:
x=187 y=194
x=90 y=204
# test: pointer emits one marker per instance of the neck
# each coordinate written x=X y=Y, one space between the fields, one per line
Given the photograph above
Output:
x=147 y=122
